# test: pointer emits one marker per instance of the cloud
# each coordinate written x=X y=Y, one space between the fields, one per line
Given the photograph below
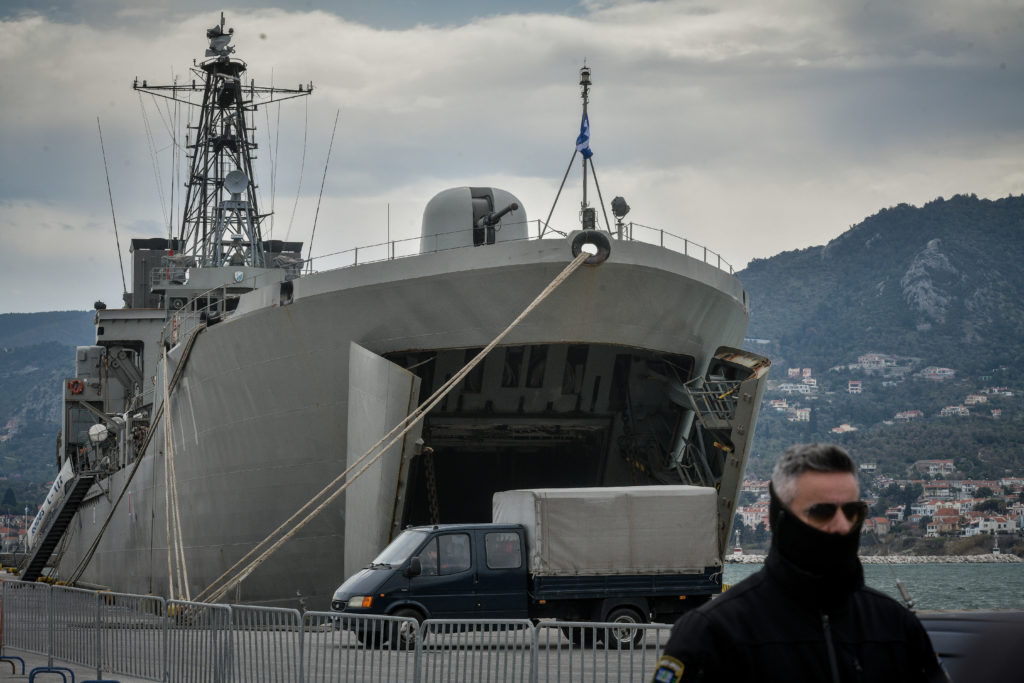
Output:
x=751 y=127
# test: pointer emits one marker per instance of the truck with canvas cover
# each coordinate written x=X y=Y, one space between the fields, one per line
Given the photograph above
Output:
x=630 y=554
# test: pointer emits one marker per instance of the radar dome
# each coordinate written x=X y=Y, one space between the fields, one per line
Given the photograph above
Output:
x=471 y=216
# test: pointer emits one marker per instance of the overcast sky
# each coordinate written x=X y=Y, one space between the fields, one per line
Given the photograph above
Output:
x=751 y=127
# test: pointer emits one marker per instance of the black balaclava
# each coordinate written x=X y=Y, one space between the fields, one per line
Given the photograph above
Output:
x=826 y=564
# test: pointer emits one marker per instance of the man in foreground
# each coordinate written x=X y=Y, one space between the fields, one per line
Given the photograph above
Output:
x=807 y=615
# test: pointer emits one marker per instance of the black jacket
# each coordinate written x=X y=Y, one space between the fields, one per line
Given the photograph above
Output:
x=783 y=624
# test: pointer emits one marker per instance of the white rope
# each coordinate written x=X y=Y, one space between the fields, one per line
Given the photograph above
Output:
x=212 y=593
x=167 y=488
x=177 y=573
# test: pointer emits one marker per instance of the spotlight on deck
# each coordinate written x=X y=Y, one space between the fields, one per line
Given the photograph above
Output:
x=620 y=208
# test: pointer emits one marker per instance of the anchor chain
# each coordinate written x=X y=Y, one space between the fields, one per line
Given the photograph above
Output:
x=428 y=466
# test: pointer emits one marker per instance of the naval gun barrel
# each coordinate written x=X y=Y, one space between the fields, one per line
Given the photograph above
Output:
x=495 y=216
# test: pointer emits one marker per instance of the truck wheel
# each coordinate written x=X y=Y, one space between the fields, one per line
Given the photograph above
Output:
x=621 y=635
x=405 y=636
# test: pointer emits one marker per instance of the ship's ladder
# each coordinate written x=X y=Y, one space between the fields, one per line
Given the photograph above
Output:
x=55 y=524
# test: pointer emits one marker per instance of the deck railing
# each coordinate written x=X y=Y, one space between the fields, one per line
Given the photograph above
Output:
x=412 y=246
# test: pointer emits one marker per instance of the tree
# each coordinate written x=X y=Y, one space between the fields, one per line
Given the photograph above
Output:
x=991 y=505
x=983 y=492
x=10 y=501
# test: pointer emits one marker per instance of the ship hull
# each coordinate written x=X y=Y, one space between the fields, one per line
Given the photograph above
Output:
x=267 y=407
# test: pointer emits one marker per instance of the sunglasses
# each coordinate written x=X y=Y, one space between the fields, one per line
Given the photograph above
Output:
x=854 y=511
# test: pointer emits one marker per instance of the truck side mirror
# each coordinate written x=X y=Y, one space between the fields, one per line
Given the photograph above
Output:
x=414 y=568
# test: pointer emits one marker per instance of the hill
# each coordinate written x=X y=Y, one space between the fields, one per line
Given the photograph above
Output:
x=71 y=328
x=37 y=350
x=908 y=289
x=928 y=282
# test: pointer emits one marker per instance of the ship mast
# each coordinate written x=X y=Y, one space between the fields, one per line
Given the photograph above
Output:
x=221 y=221
x=587 y=212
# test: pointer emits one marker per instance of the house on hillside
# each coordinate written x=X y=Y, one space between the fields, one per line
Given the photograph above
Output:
x=937 y=489
x=991 y=525
x=895 y=513
x=754 y=514
x=938 y=374
x=855 y=386
x=843 y=429
x=801 y=415
x=876 y=361
x=943 y=525
x=955 y=411
x=975 y=399
x=878 y=525
x=908 y=415
x=935 y=467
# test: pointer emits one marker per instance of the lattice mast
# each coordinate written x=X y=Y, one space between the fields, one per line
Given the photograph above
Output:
x=221 y=221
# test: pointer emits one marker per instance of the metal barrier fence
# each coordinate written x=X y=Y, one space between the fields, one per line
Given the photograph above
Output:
x=198 y=642
x=148 y=638
x=471 y=651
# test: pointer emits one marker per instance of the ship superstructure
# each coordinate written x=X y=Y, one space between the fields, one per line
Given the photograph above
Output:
x=231 y=387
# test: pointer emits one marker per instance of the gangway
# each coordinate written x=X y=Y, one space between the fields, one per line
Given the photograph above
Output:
x=56 y=524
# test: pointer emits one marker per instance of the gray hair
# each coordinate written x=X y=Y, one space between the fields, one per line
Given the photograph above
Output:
x=804 y=457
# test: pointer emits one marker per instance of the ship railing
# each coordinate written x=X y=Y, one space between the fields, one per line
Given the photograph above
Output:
x=713 y=397
x=414 y=246
x=210 y=305
x=58 y=628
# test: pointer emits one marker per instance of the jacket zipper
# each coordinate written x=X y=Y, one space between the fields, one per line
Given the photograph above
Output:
x=830 y=647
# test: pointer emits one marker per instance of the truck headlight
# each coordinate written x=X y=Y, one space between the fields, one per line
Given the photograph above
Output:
x=360 y=601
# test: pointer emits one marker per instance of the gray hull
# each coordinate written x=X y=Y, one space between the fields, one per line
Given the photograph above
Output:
x=278 y=398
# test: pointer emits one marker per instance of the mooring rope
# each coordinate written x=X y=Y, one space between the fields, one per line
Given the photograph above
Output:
x=177 y=570
x=139 y=454
x=267 y=547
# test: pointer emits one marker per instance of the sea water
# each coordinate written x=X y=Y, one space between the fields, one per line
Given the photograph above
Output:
x=936 y=586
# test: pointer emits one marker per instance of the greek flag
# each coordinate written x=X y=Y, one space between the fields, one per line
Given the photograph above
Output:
x=583 y=141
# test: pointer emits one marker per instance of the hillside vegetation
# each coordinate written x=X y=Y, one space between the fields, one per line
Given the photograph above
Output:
x=936 y=286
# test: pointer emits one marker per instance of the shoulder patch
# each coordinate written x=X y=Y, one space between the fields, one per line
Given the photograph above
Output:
x=670 y=670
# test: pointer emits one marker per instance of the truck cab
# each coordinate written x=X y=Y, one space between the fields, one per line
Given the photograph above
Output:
x=448 y=571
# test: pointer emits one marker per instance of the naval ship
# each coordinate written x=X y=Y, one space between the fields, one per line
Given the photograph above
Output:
x=237 y=381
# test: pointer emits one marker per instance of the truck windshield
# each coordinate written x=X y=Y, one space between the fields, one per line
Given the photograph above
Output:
x=399 y=550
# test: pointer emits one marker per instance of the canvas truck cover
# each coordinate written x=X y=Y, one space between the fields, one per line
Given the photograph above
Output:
x=614 y=530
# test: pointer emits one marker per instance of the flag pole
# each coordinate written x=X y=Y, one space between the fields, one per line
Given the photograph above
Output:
x=585 y=94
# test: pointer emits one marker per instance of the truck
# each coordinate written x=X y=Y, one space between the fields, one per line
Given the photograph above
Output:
x=627 y=555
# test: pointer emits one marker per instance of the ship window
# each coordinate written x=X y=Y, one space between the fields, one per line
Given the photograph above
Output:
x=575 y=366
x=454 y=555
x=513 y=366
x=474 y=381
x=535 y=369
x=503 y=551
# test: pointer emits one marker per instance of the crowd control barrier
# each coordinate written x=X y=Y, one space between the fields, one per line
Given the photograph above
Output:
x=149 y=638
